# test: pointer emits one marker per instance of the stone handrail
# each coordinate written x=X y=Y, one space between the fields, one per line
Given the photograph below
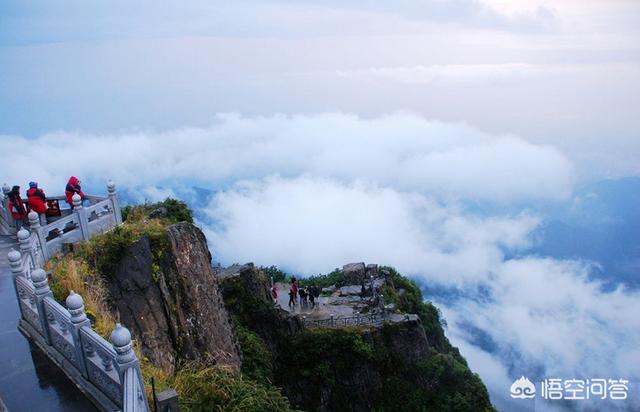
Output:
x=108 y=373
x=102 y=214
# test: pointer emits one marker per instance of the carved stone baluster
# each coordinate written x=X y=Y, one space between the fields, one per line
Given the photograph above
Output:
x=15 y=263
x=107 y=363
x=24 y=238
x=89 y=350
x=75 y=305
x=5 y=202
x=81 y=214
x=42 y=291
x=111 y=189
x=126 y=358
x=38 y=231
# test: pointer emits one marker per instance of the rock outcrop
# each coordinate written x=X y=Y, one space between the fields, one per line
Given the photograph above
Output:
x=371 y=367
x=171 y=299
x=357 y=273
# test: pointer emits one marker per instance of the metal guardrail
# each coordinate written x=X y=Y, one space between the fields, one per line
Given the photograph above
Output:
x=366 y=319
x=374 y=319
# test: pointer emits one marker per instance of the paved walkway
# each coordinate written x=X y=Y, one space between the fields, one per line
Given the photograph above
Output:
x=29 y=381
x=322 y=309
x=343 y=308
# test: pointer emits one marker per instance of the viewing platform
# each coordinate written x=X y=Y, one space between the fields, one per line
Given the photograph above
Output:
x=61 y=363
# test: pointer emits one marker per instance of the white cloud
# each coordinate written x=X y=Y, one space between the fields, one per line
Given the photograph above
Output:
x=544 y=317
x=310 y=225
x=400 y=150
x=310 y=193
x=153 y=194
x=548 y=320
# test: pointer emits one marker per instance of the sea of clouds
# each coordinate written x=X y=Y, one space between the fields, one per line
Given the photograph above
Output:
x=310 y=193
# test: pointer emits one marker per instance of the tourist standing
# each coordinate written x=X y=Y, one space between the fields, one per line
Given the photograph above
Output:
x=37 y=201
x=312 y=298
x=16 y=207
x=303 y=297
x=294 y=287
x=292 y=297
x=274 y=293
x=73 y=187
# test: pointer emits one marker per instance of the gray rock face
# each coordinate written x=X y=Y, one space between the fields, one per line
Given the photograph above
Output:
x=249 y=278
x=141 y=306
x=158 y=213
x=174 y=306
x=371 y=270
x=354 y=273
x=192 y=288
x=329 y=289
x=408 y=342
x=351 y=290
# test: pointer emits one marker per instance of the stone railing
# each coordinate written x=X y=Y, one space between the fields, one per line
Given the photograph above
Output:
x=107 y=372
x=79 y=223
x=366 y=319
x=7 y=224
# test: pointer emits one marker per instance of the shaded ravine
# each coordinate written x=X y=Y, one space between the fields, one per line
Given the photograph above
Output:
x=29 y=381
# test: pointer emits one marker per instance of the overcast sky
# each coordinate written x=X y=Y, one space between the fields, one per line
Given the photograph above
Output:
x=557 y=72
x=339 y=131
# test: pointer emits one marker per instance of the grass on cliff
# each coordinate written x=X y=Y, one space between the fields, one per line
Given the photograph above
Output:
x=85 y=269
x=72 y=273
x=204 y=388
x=201 y=387
x=412 y=301
x=174 y=211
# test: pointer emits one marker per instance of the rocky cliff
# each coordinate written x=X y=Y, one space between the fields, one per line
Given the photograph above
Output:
x=162 y=286
x=168 y=296
x=353 y=368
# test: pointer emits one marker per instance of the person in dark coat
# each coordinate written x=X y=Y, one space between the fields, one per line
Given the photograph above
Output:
x=303 y=296
x=312 y=298
x=294 y=289
x=36 y=198
x=73 y=187
x=292 y=298
x=16 y=207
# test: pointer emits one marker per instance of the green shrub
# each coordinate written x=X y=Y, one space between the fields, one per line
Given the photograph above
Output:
x=257 y=362
x=412 y=301
x=105 y=251
x=275 y=273
x=335 y=277
x=177 y=211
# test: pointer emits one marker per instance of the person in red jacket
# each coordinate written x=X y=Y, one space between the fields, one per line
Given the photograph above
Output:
x=73 y=187
x=36 y=198
x=37 y=201
x=16 y=207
